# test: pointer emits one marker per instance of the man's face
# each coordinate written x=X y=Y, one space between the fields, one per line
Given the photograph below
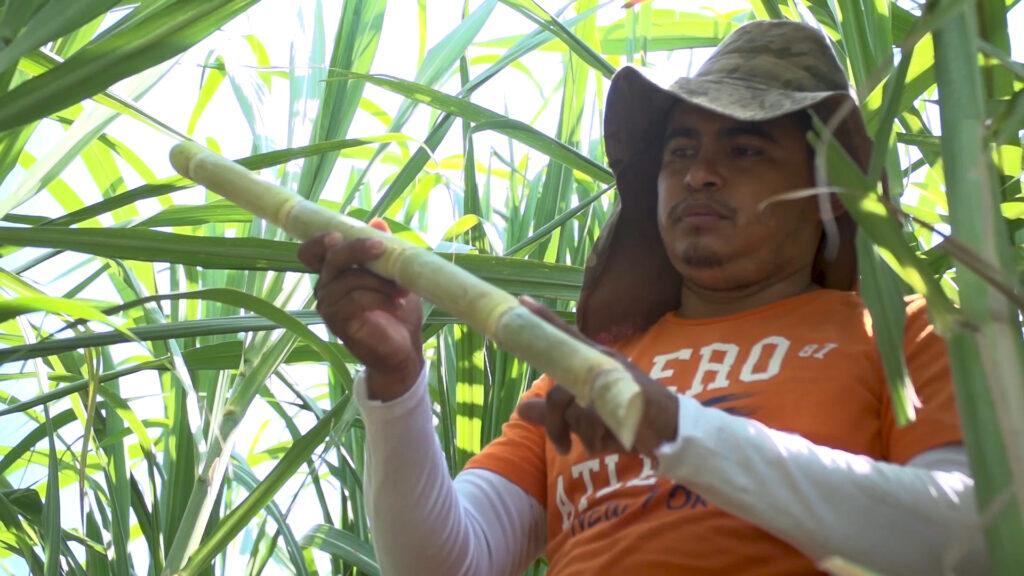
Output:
x=715 y=174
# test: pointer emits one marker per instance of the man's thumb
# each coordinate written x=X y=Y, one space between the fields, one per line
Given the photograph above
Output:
x=532 y=411
x=380 y=224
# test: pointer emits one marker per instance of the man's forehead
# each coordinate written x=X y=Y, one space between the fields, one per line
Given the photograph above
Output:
x=689 y=118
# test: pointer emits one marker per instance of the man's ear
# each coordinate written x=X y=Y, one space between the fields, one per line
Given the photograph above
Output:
x=838 y=209
x=835 y=208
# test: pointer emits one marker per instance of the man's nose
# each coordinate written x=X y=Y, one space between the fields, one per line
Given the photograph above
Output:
x=704 y=174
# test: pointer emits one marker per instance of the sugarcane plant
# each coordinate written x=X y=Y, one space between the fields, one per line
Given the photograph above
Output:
x=169 y=399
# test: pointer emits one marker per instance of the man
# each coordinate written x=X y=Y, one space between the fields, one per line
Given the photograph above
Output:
x=767 y=443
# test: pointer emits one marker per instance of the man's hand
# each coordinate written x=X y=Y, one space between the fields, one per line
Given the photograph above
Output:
x=561 y=415
x=377 y=320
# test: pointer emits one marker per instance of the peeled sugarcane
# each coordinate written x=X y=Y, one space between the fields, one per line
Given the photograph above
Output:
x=593 y=377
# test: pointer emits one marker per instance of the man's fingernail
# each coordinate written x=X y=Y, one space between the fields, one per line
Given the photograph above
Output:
x=375 y=245
x=527 y=300
x=333 y=239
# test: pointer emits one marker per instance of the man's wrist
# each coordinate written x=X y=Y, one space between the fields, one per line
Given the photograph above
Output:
x=388 y=385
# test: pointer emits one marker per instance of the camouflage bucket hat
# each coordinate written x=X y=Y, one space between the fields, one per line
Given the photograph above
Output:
x=763 y=70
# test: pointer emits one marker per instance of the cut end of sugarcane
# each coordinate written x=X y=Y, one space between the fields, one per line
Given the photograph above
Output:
x=839 y=566
x=182 y=155
x=620 y=403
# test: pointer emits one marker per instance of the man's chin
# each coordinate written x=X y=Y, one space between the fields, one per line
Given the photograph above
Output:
x=701 y=260
x=707 y=270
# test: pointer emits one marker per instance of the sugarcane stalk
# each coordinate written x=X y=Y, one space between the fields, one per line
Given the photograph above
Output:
x=987 y=358
x=259 y=361
x=594 y=378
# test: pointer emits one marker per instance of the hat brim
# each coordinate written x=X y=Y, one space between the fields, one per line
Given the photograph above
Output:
x=637 y=107
x=629 y=281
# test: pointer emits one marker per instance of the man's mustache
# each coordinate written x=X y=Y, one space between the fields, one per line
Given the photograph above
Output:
x=704 y=202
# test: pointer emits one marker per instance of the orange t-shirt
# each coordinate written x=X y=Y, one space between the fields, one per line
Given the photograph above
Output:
x=807 y=365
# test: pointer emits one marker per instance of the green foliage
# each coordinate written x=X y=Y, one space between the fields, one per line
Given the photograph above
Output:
x=170 y=400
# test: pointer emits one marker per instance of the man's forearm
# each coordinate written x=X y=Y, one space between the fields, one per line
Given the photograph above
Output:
x=422 y=522
x=825 y=502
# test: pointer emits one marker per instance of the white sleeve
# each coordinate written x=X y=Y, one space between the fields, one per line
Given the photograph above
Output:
x=951 y=458
x=899 y=520
x=422 y=522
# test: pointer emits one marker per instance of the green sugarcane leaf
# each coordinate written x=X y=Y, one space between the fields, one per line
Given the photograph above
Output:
x=148 y=524
x=467 y=392
x=215 y=77
x=154 y=190
x=438 y=61
x=86 y=128
x=554 y=149
x=887 y=117
x=355 y=45
x=12 y=145
x=768 y=9
x=218 y=211
x=28 y=442
x=46 y=397
x=159 y=32
x=477 y=114
x=26 y=502
x=518 y=47
x=15 y=15
x=879 y=286
x=14 y=307
x=859 y=29
x=54 y=19
x=217 y=356
x=532 y=11
x=39 y=62
x=513 y=275
x=244 y=475
x=995 y=33
x=683 y=32
x=410 y=170
x=255 y=304
x=344 y=545
x=876 y=219
x=441 y=57
x=927 y=144
x=340 y=415
x=176 y=183
x=110 y=431
x=18 y=531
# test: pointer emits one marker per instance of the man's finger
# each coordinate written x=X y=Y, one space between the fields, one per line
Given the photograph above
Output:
x=532 y=410
x=313 y=251
x=341 y=258
x=558 y=402
x=380 y=224
x=588 y=427
x=550 y=317
x=352 y=280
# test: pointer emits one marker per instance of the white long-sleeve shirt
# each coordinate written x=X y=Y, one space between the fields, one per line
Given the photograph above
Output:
x=913 y=519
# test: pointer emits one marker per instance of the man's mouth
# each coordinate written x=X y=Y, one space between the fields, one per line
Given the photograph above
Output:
x=700 y=212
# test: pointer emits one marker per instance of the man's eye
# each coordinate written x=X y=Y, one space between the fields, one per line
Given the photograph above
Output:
x=682 y=151
x=746 y=151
